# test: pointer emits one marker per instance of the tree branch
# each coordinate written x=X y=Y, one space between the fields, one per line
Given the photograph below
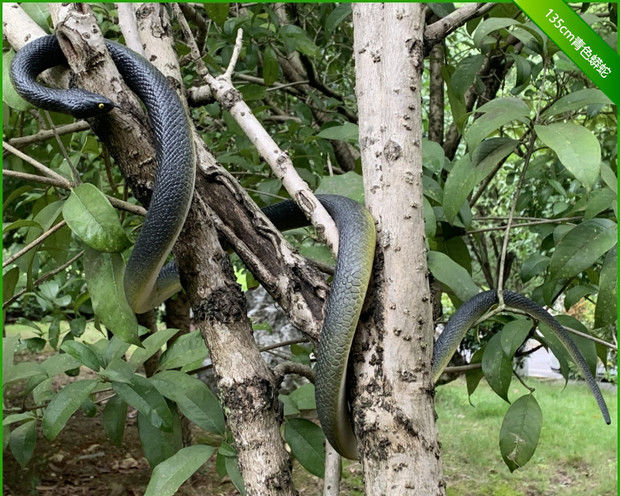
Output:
x=41 y=279
x=45 y=134
x=438 y=31
x=34 y=243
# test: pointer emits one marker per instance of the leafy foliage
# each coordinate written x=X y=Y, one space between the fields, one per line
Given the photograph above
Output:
x=542 y=119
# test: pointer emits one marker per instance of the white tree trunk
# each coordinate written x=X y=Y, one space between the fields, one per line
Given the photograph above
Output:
x=393 y=398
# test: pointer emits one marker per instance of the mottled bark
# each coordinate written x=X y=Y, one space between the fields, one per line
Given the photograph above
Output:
x=392 y=398
x=247 y=387
x=436 y=95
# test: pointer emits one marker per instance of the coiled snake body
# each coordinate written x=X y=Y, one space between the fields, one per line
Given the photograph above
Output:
x=148 y=281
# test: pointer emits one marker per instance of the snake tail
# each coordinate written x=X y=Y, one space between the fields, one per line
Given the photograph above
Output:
x=470 y=311
x=146 y=284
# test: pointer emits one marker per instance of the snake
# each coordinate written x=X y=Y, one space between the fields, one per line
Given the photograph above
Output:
x=148 y=280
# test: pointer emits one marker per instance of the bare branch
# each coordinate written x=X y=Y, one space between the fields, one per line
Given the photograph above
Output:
x=129 y=28
x=288 y=367
x=437 y=31
x=120 y=204
x=34 y=243
x=45 y=134
x=333 y=468
x=43 y=278
x=235 y=55
x=35 y=163
x=525 y=224
x=278 y=160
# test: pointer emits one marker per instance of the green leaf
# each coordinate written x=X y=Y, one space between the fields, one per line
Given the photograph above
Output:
x=576 y=100
x=157 y=445
x=217 y=12
x=336 y=16
x=113 y=418
x=193 y=398
x=18 y=417
x=9 y=95
x=488 y=26
x=464 y=74
x=520 y=431
x=232 y=469
x=585 y=345
x=497 y=113
x=83 y=353
x=459 y=184
x=575 y=294
x=253 y=92
x=609 y=177
x=9 y=281
x=22 y=370
x=513 y=335
x=59 y=363
x=297 y=39
x=607 y=300
x=104 y=278
x=22 y=441
x=349 y=184
x=433 y=156
x=271 y=67
x=168 y=475
x=143 y=396
x=430 y=221
x=307 y=443
x=303 y=397
x=92 y=218
x=39 y=13
x=473 y=376
x=576 y=147
x=497 y=367
x=150 y=346
x=64 y=404
x=186 y=349
x=581 y=247
x=118 y=370
x=600 y=200
x=348 y=132
x=533 y=266
x=53 y=332
x=452 y=275
x=489 y=153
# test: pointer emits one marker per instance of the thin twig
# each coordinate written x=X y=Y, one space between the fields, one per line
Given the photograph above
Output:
x=120 y=204
x=43 y=278
x=74 y=172
x=288 y=367
x=530 y=389
x=46 y=134
x=525 y=224
x=34 y=243
x=264 y=348
x=235 y=55
x=35 y=163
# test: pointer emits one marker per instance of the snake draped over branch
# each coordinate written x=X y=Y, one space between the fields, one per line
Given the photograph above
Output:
x=148 y=281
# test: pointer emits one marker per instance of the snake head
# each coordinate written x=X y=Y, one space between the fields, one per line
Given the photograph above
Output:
x=85 y=104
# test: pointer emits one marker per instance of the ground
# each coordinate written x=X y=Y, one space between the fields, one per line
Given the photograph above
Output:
x=576 y=454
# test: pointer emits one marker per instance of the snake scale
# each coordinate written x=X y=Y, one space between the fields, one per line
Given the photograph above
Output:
x=148 y=281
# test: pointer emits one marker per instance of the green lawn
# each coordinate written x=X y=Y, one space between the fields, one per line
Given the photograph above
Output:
x=576 y=454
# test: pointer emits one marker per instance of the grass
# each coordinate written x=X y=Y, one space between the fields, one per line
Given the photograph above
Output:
x=576 y=453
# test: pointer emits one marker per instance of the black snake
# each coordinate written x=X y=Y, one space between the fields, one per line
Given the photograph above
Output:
x=148 y=281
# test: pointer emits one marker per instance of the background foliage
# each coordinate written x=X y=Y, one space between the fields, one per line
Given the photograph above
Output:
x=540 y=136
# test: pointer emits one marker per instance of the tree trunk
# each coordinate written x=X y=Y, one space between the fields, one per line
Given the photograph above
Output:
x=392 y=403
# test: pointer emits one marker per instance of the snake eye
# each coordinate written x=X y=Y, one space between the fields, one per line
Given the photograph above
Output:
x=101 y=105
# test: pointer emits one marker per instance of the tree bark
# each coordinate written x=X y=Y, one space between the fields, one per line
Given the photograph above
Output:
x=392 y=402
x=247 y=387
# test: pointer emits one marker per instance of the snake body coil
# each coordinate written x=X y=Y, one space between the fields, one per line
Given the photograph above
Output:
x=148 y=282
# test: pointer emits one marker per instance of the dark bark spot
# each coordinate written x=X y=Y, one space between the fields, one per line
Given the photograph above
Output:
x=224 y=304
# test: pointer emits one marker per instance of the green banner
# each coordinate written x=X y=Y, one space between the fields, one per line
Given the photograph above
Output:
x=578 y=41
